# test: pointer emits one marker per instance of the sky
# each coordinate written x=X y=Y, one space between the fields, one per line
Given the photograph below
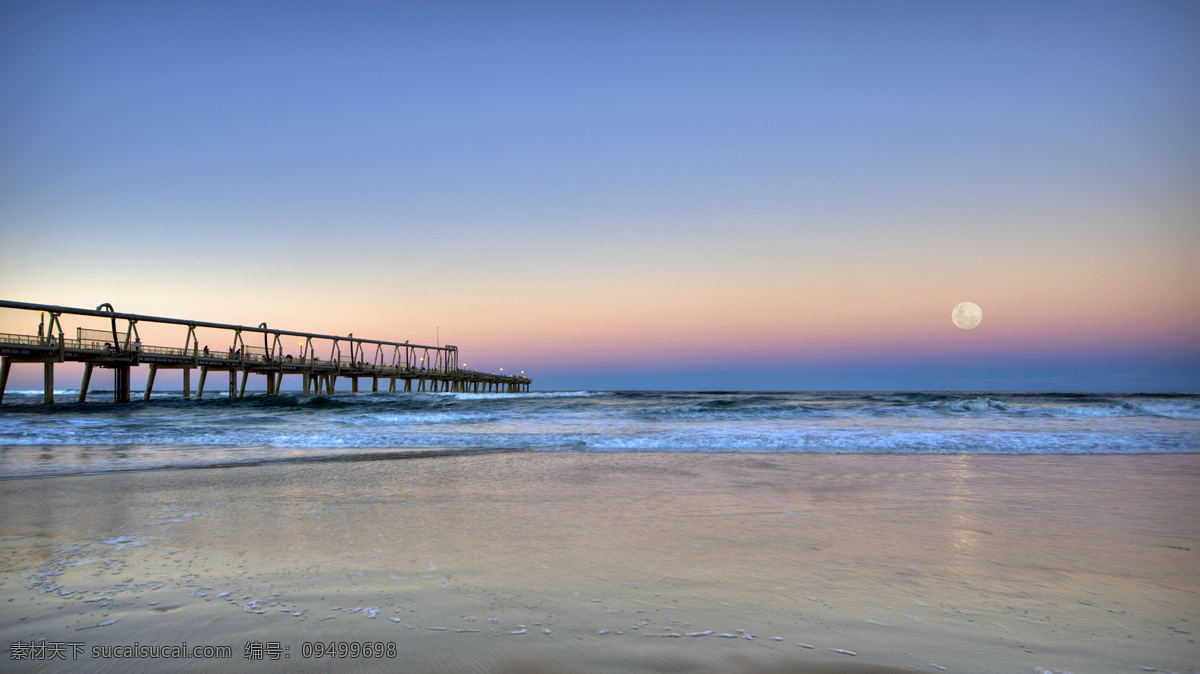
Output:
x=625 y=195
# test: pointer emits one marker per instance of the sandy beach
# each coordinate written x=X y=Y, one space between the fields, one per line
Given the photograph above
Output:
x=668 y=562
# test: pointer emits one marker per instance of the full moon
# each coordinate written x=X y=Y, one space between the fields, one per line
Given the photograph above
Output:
x=966 y=315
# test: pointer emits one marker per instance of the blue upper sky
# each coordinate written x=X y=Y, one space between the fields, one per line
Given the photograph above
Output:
x=586 y=189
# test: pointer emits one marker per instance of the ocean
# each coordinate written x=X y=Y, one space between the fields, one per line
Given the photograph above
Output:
x=170 y=432
x=745 y=531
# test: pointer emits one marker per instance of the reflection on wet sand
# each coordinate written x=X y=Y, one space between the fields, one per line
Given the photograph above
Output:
x=643 y=562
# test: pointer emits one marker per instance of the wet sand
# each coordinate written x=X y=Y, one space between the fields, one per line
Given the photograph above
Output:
x=622 y=562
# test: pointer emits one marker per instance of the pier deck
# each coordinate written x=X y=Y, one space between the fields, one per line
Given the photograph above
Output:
x=404 y=366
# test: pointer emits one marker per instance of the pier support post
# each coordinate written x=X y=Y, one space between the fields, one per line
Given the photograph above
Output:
x=187 y=382
x=150 y=381
x=233 y=383
x=5 y=363
x=48 y=383
x=374 y=384
x=392 y=385
x=330 y=382
x=242 y=389
x=87 y=377
x=304 y=377
x=354 y=384
x=121 y=384
x=270 y=383
x=200 y=388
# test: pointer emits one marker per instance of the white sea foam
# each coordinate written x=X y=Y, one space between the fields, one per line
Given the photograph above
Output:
x=520 y=396
x=415 y=418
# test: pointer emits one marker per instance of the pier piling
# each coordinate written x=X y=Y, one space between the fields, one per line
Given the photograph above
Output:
x=48 y=382
x=87 y=378
x=121 y=383
x=150 y=381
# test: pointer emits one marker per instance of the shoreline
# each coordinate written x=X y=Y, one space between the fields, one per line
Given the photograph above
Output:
x=968 y=562
x=371 y=455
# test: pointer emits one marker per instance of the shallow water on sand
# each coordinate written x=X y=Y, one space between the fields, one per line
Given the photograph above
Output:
x=619 y=562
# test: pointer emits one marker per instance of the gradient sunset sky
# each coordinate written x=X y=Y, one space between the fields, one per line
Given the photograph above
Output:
x=615 y=195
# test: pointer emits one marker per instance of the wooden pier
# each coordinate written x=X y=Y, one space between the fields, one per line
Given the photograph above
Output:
x=403 y=366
